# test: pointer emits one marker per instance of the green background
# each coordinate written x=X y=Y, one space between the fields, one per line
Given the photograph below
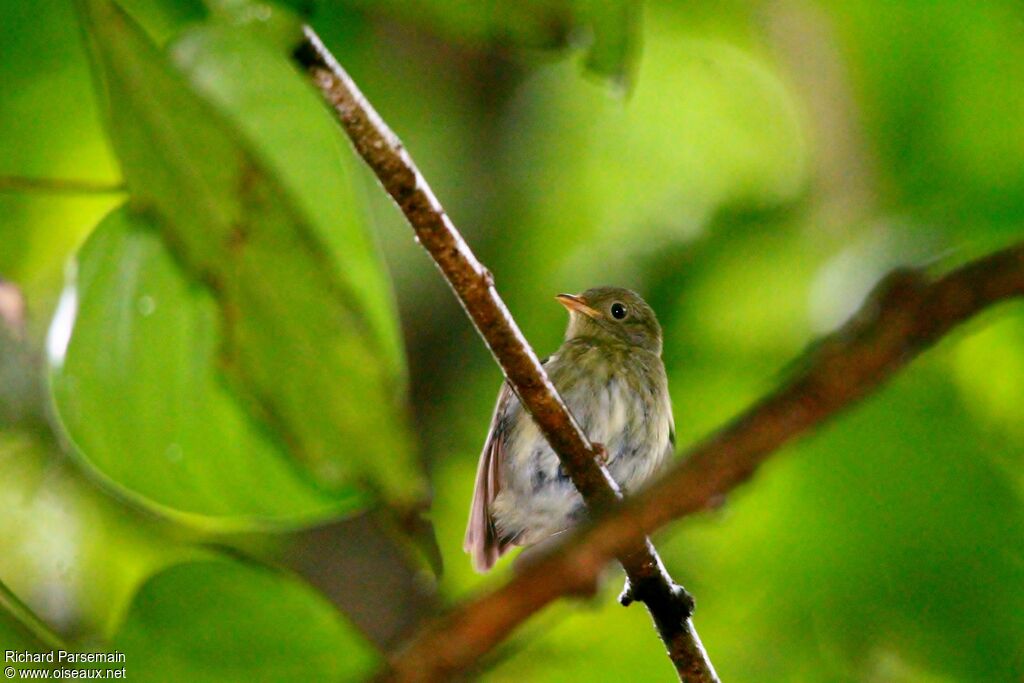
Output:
x=751 y=168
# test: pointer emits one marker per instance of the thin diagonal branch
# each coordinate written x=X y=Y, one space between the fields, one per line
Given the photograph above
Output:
x=905 y=315
x=669 y=605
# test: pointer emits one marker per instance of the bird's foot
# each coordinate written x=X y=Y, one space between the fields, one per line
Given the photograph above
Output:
x=676 y=597
x=600 y=454
x=626 y=596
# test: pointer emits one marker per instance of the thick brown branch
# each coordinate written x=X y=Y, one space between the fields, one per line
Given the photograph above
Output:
x=668 y=603
x=903 y=317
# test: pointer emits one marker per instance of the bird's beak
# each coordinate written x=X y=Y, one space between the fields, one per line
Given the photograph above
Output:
x=578 y=304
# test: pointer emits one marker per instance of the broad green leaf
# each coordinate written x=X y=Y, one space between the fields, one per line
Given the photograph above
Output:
x=301 y=145
x=274 y=24
x=20 y=629
x=14 y=635
x=71 y=555
x=308 y=332
x=139 y=391
x=229 y=621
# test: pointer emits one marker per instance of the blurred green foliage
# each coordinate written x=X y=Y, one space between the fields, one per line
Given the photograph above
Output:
x=305 y=309
x=194 y=449
x=770 y=162
x=282 y=630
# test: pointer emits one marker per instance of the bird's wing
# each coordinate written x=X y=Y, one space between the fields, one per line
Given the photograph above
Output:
x=482 y=542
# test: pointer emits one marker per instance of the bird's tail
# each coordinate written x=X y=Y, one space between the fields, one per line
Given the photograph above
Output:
x=483 y=542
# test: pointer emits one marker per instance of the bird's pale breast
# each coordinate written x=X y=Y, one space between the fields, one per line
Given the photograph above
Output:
x=619 y=395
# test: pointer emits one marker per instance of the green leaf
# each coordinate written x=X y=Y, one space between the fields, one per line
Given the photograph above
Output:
x=272 y=23
x=20 y=628
x=14 y=635
x=136 y=382
x=309 y=333
x=301 y=145
x=616 y=35
x=228 y=621
x=71 y=555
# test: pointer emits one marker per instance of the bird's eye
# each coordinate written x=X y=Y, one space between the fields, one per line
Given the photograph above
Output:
x=618 y=311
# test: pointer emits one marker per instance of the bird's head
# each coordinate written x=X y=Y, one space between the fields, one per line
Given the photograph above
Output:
x=612 y=314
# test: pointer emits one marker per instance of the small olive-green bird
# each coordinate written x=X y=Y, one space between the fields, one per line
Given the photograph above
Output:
x=610 y=374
